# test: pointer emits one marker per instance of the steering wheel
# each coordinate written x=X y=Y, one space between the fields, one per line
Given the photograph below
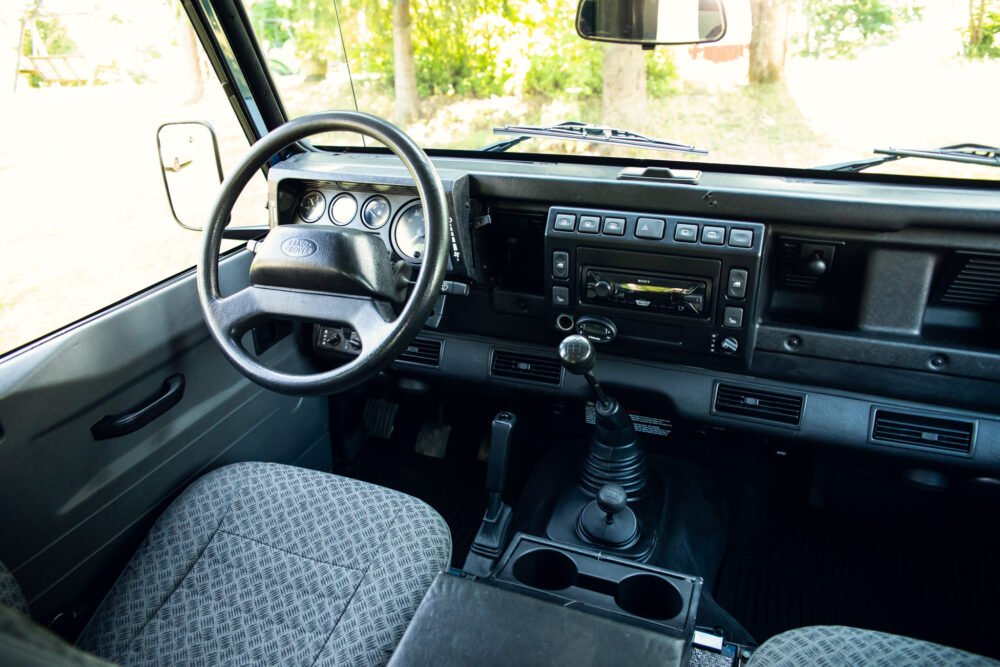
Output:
x=323 y=273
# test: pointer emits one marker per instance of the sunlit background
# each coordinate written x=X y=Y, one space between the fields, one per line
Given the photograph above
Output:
x=84 y=85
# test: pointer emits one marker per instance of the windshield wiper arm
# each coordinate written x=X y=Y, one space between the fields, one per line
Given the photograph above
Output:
x=577 y=131
x=967 y=153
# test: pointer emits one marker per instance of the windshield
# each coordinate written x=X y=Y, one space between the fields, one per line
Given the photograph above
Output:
x=792 y=84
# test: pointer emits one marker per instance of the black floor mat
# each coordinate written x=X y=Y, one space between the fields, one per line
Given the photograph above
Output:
x=454 y=485
x=936 y=585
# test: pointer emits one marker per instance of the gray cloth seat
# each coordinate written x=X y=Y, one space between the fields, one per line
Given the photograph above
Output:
x=840 y=646
x=268 y=564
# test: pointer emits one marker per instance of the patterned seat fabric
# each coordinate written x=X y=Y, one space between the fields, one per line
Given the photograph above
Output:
x=10 y=593
x=838 y=646
x=268 y=564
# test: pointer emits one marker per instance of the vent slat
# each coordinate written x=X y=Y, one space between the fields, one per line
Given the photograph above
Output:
x=759 y=404
x=531 y=368
x=423 y=351
x=924 y=431
x=977 y=282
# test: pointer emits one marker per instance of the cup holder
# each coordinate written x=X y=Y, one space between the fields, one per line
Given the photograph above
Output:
x=649 y=596
x=545 y=569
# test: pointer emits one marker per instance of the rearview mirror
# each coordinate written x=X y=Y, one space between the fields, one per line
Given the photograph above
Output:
x=651 y=22
x=192 y=170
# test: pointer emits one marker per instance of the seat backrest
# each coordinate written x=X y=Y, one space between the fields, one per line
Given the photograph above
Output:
x=10 y=593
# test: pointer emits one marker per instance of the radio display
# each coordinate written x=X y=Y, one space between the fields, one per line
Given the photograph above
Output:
x=672 y=295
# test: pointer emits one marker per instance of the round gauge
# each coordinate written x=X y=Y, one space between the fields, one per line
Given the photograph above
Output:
x=375 y=212
x=408 y=233
x=343 y=209
x=312 y=206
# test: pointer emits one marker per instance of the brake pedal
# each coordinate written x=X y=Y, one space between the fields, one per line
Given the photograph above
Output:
x=379 y=417
x=432 y=440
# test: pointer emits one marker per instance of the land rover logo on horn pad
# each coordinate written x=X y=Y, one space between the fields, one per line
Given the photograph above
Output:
x=298 y=247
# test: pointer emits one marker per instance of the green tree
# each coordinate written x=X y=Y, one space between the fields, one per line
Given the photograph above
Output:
x=840 y=28
x=981 y=37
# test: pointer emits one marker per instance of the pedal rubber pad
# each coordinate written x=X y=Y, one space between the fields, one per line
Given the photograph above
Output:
x=379 y=417
x=432 y=440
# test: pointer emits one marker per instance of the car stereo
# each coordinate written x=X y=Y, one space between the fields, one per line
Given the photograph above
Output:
x=676 y=295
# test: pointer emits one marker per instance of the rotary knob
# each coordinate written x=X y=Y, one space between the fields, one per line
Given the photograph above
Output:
x=603 y=288
x=730 y=345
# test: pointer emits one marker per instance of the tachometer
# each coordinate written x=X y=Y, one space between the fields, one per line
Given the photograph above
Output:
x=312 y=206
x=375 y=212
x=408 y=233
x=343 y=209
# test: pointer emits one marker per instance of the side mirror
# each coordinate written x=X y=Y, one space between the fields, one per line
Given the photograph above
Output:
x=192 y=170
x=651 y=22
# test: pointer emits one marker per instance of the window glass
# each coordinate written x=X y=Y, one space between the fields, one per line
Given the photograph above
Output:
x=86 y=221
x=793 y=83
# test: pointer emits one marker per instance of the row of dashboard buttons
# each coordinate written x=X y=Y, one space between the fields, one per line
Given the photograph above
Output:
x=653 y=229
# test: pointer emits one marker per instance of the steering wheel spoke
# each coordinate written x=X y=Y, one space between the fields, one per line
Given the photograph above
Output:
x=238 y=313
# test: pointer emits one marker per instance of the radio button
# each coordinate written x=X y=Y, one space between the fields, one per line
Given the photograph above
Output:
x=741 y=238
x=560 y=264
x=560 y=296
x=590 y=224
x=713 y=235
x=614 y=226
x=649 y=228
x=737 y=288
x=732 y=317
x=686 y=233
x=565 y=222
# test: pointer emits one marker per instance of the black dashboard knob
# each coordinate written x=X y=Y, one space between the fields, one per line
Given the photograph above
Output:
x=603 y=288
x=612 y=499
x=816 y=265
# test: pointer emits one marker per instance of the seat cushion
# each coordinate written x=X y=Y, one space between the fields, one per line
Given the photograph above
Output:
x=268 y=564
x=836 y=646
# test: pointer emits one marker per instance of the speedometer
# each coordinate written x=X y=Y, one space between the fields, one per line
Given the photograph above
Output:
x=408 y=233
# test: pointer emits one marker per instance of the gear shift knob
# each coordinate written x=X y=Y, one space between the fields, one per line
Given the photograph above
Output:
x=577 y=354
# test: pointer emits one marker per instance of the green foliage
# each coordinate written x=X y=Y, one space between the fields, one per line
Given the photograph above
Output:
x=53 y=36
x=840 y=28
x=461 y=47
x=981 y=37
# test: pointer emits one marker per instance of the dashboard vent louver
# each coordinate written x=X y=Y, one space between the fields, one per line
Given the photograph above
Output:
x=519 y=366
x=923 y=431
x=976 y=283
x=423 y=351
x=759 y=404
x=792 y=274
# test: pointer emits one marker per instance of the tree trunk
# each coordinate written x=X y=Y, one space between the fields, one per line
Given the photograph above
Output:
x=623 y=99
x=404 y=67
x=768 y=40
x=194 y=73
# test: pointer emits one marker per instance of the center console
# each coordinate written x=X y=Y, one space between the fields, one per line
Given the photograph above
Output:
x=658 y=285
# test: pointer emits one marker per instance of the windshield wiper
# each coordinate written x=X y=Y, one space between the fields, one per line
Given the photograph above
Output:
x=577 y=131
x=967 y=153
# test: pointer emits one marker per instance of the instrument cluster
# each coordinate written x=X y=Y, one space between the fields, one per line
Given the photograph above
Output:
x=397 y=219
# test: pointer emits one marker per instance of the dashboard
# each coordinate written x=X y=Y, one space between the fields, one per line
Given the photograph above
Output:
x=854 y=314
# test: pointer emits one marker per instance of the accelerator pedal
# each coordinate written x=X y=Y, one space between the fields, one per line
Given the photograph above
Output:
x=432 y=440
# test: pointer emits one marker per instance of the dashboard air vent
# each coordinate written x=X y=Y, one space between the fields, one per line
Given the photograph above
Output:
x=759 y=404
x=923 y=431
x=518 y=366
x=976 y=282
x=423 y=351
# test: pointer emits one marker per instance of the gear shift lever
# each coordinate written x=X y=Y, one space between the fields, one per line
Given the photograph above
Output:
x=577 y=356
x=614 y=455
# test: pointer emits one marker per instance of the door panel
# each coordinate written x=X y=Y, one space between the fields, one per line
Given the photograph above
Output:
x=75 y=508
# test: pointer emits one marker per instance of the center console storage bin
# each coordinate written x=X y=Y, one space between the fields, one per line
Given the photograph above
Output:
x=462 y=621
